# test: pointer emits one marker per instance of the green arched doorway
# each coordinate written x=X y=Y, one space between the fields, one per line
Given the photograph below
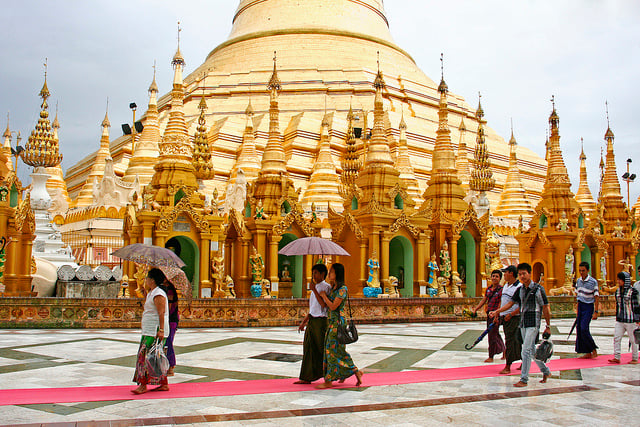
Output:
x=188 y=252
x=467 y=262
x=586 y=256
x=401 y=264
x=294 y=265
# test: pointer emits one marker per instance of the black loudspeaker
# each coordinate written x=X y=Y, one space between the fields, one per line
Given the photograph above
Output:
x=139 y=127
x=357 y=132
x=126 y=129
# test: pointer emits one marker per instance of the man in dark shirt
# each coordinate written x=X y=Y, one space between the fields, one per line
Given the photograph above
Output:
x=533 y=305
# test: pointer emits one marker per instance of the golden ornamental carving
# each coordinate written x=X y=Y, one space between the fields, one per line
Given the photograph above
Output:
x=169 y=216
x=295 y=216
x=12 y=180
x=470 y=215
x=397 y=189
x=403 y=221
x=25 y=219
x=168 y=149
x=236 y=220
x=426 y=211
x=374 y=207
x=354 y=225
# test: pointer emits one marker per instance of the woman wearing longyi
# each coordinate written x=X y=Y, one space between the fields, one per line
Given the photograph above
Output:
x=155 y=325
x=337 y=363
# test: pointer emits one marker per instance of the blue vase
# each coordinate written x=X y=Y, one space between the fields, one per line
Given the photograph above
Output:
x=256 y=291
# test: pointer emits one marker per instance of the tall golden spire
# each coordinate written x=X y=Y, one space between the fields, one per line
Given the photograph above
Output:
x=557 y=180
x=201 y=150
x=248 y=159
x=42 y=148
x=610 y=184
x=444 y=186
x=615 y=209
x=462 y=162
x=513 y=199
x=378 y=153
x=85 y=197
x=145 y=154
x=583 y=196
x=273 y=158
x=443 y=162
x=174 y=165
x=324 y=182
x=379 y=175
x=481 y=176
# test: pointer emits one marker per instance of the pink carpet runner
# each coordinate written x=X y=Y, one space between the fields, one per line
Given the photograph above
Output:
x=234 y=388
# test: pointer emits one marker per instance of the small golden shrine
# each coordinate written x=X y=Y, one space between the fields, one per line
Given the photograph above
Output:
x=173 y=212
x=272 y=218
x=553 y=244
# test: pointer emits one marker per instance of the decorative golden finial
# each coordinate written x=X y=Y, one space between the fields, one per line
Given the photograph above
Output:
x=274 y=81
x=582 y=155
x=479 y=111
x=178 y=58
x=442 y=88
x=105 y=122
x=154 y=86
x=606 y=108
x=42 y=149
x=379 y=83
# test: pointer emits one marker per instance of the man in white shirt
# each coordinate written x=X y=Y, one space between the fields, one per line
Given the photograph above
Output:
x=510 y=318
x=316 y=328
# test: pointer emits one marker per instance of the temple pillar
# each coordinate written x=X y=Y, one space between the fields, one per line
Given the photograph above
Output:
x=245 y=271
x=205 y=263
x=363 y=268
x=482 y=267
x=421 y=264
x=308 y=265
x=550 y=279
x=632 y=260
x=595 y=268
x=384 y=260
x=273 y=263
x=454 y=253
x=577 y=254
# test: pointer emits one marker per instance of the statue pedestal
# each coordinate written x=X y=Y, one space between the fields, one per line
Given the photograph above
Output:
x=284 y=288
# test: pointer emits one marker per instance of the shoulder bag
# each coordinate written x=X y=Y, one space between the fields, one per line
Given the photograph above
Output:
x=347 y=332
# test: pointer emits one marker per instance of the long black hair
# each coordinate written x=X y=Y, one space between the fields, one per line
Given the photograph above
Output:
x=339 y=270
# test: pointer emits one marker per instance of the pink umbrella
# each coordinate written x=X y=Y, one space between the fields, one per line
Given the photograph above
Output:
x=179 y=279
x=155 y=256
x=312 y=246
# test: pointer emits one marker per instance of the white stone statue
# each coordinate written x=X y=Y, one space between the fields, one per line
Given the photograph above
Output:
x=236 y=193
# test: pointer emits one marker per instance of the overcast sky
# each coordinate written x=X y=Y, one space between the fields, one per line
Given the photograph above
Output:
x=517 y=53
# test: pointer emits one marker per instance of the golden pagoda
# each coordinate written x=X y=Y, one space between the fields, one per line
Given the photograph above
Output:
x=558 y=226
x=273 y=217
x=583 y=196
x=451 y=219
x=377 y=222
x=513 y=198
x=614 y=218
x=145 y=153
x=173 y=213
x=343 y=57
x=324 y=182
x=85 y=197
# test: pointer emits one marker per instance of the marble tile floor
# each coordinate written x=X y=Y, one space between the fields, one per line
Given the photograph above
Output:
x=77 y=358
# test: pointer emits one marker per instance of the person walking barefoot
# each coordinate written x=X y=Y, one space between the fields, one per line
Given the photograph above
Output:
x=492 y=298
x=337 y=363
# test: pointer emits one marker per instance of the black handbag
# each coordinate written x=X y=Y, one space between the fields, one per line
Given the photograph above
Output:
x=347 y=332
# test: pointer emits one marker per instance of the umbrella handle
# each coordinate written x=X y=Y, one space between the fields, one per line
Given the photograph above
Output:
x=469 y=347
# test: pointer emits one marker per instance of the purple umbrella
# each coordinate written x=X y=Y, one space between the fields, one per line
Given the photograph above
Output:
x=155 y=256
x=313 y=246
